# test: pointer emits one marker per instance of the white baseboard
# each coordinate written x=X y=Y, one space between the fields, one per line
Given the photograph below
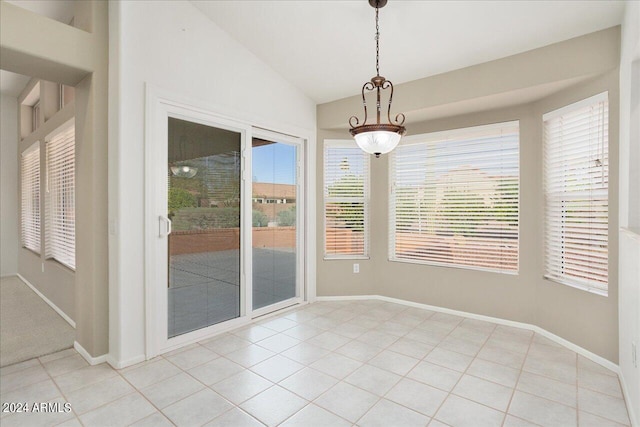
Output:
x=89 y=358
x=48 y=301
x=125 y=363
x=627 y=398
x=579 y=350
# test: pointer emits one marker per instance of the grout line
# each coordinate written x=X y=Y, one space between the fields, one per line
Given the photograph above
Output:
x=515 y=385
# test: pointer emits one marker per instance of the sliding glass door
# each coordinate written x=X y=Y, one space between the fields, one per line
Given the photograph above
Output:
x=224 y=226
x=203 y=205
x=275 y=218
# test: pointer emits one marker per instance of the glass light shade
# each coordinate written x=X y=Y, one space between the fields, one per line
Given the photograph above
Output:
x=184 y=171
x=377 y=142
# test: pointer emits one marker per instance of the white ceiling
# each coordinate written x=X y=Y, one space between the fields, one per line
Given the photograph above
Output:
x=326 y=48
x=11 y=84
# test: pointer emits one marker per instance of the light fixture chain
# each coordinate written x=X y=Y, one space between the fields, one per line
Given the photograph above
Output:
x=377 y=45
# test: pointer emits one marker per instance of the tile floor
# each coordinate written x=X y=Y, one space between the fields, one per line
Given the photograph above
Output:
x=364 y=363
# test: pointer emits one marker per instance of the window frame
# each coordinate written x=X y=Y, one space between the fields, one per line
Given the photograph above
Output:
x=567 y=109
x=366 y=200
x=432 y=137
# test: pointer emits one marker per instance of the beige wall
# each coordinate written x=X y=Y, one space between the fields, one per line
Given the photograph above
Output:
x=34 y=45
x=9 y=237
x=586 y=319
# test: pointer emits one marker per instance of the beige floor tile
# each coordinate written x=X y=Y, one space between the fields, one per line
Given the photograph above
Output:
x=542 y=411
x=386 y=413
x=378 y=339
x=276 y=368
x=191 y=358
x=57 y=355
x=584 y=363
x=154 y=420
x=426 y=336
x=197 y=409
x=122 y=412
x=336 y=365
x=279 y=324
x=225 y=343
x=305 y=353
x=501 y=356
x=6 y=370
x=411 y=348
x=494 y=372
x=314 y=416
x=449 y=359
x=83 y=377
x=73 y=422
x=471 y=334
x=511 y=421
x=22 y=378
x=394 y=362
x=170 y=390
x=249 y=356
x=459 y=412
x=393 y=328
x=328 y=340
x=38 y=392
x=274 y=405
x=372 y=379
x=586 y=419
x=65 y=364
x=417 y=396
x=359 y=350
x=347 y=401
x=561 y=371
x=601 y=383
x=435 y=375
x=241 y=386
x=603 y=405
x=485 y=392
x=97 y=394
x=151 y=373
x=234 y=418
x=278 y=343
x=308 y=383
x=214 y=371
x=548 y=388
x=460 y=346
x=254 y=333
x=303 y=332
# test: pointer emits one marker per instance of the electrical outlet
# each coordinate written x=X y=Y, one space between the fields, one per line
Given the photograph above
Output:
x=634 y=354
x=356 y=268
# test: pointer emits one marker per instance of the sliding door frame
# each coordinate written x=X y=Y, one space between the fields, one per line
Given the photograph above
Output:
x=160 y=105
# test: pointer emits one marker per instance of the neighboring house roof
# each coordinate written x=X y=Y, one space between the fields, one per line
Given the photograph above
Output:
x=277 y=191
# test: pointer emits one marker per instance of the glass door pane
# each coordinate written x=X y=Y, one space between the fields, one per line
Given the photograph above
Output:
x=274 y=198
x=204 y=208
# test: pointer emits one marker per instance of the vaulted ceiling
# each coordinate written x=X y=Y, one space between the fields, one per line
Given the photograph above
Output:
x=327 y=48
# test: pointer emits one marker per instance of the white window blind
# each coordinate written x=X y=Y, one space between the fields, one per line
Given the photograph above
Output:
x=60 y=232
x=454 y=198
x=30 y=203
x=576 y=194
x=346 y=200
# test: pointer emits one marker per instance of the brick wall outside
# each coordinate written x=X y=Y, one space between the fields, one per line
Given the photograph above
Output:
x=224 y=239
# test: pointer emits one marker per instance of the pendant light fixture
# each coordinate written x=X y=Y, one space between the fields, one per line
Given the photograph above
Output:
x=377 y=138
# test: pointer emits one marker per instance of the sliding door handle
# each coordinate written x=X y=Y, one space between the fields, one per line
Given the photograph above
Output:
x=166 y=230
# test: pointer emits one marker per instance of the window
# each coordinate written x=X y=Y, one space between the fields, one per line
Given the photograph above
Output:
x=346 y=200
x=60 y=231
x=30 y=192
x=576 y=169
x=35 y=116
x=454 y=198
